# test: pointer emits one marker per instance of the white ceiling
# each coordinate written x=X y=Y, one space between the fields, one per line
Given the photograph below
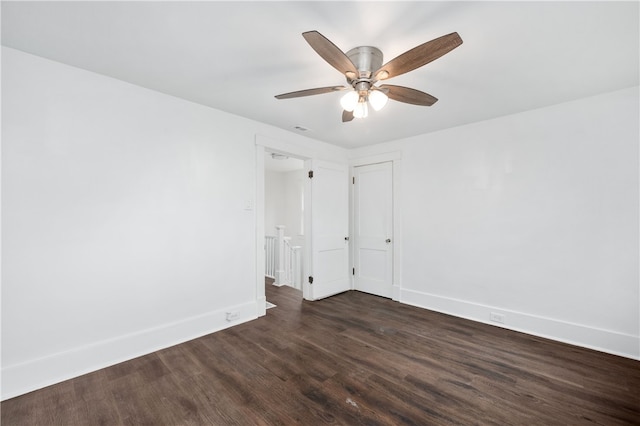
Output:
x=235 y=56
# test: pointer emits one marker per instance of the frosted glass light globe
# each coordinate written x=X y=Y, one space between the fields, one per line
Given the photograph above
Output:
x=349 y=101
x=378 y=99
x=361 y=110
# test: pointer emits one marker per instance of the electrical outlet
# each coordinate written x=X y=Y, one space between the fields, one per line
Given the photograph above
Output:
x=232 y=316
x=496 y=317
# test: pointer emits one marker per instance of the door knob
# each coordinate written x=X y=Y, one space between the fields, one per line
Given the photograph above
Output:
x=388 y=240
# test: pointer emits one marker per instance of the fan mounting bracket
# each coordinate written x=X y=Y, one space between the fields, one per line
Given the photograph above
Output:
x=367 y=59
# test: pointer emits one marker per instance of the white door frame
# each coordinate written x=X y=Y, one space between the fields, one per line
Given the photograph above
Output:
x=395 y=158
x=264 y=144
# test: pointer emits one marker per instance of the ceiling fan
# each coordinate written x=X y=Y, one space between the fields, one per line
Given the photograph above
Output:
x=362 y=67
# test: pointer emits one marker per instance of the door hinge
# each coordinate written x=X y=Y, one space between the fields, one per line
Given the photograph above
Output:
x=353 y=180
x=310 y=174
x=354 y=271
x=310 y=280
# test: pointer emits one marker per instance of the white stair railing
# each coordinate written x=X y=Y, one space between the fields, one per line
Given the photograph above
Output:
x=296 y=267
x=280 y=271
x=283 y=262
x=270 y=244
x=292 y=264
x=286 y=261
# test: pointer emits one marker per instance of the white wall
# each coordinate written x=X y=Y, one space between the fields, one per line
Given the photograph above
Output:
x=294 y=183
x=125 y=221
x=533 y=216
x=283 y=200
x=274 y=197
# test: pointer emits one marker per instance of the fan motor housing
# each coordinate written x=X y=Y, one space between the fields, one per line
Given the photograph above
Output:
x=366 y=58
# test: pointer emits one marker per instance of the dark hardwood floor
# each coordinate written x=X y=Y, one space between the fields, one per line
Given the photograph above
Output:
x=350 y=359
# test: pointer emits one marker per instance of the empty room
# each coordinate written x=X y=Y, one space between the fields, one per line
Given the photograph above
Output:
x=378 y=213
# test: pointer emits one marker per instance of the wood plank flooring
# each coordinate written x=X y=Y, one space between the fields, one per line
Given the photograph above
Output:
x=352 y=359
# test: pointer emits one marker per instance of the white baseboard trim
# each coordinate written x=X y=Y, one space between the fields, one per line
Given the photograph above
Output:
x=261 y=306
x=396 y=292
x=575 y=334
x=35 y=374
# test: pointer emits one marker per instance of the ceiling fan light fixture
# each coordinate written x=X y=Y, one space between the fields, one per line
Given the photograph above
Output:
x=361 y=110
x=358 y=66
x=378 y=99
x=349 y=101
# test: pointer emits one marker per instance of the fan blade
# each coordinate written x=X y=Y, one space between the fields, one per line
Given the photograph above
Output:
x=408 y=95
x=418 y=56
x=347 y=116
x=330 y=53
x=310 y=92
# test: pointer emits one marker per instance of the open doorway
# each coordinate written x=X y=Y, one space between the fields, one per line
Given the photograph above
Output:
x=284 y=188
x=265 y=147
x=324 y=223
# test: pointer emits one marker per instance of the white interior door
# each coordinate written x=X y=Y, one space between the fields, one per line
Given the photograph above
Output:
x=329 y=229
x=373 y=229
